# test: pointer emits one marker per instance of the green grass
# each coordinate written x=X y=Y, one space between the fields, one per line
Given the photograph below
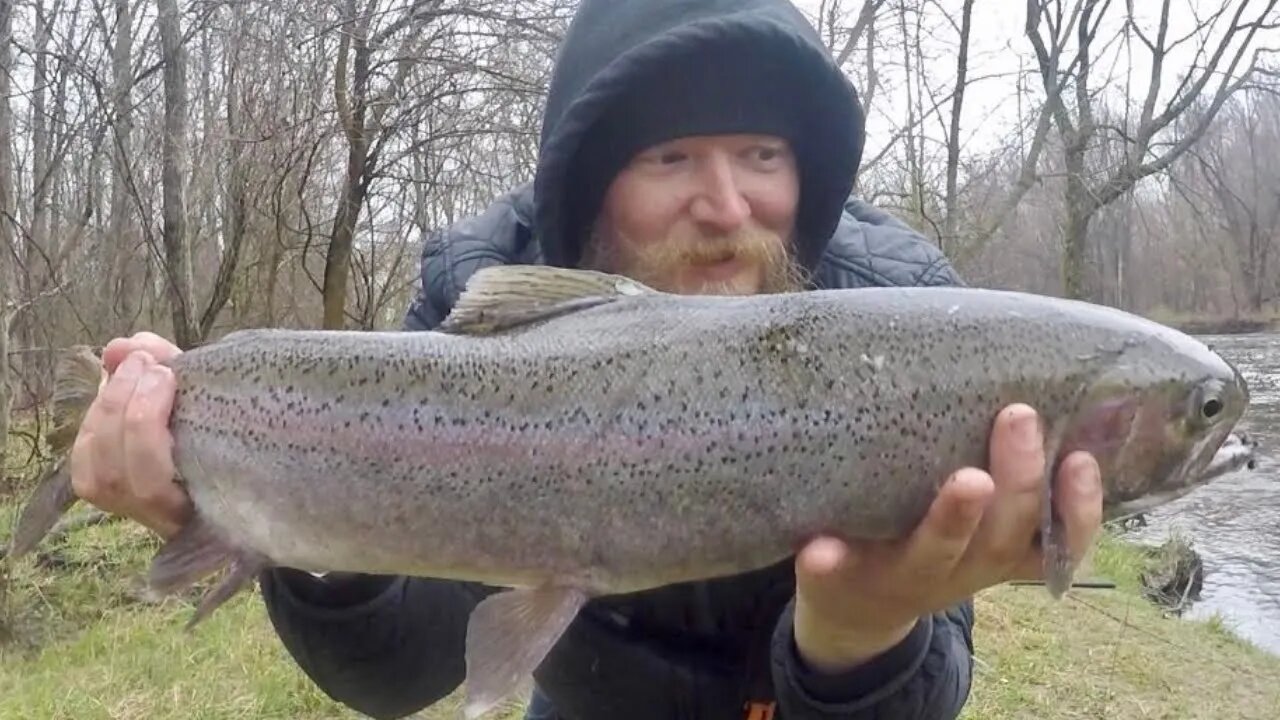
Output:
x=82 y=643
x=79 y=642
x=1109 y=654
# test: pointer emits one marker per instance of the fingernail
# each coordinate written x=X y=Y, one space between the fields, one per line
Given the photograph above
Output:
x=1026 y=430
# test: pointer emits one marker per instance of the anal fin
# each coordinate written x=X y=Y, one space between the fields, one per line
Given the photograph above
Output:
x=508 y=636
x=196 y=552
x=244 y=570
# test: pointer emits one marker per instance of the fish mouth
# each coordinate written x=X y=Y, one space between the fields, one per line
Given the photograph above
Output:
x=1234 y=453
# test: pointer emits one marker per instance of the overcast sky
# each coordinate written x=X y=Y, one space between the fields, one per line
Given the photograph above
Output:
x=999 y=48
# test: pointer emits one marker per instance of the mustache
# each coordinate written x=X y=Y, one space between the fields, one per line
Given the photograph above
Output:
x=653 y=263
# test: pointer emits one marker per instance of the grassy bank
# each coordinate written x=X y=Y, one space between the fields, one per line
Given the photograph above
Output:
x=79 y=642
x=1110 y=654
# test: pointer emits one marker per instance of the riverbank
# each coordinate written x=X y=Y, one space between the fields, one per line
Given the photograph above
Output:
x=1208 y=325
x=77 y=640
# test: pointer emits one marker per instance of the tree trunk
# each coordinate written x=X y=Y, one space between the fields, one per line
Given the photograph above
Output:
x=6 y=385
x=234 y=202
x=124 y=259
x=6 y=224
x=1076 y=232
x=176 y=245
x=951 y=220
x=337 y=261
x=351 y=103
x=34 y=267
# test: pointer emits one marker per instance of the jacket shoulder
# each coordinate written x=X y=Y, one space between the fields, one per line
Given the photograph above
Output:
x=872 y=248
x=498 y=235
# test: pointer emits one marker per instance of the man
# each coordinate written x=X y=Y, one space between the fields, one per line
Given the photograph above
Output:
x=702 y=147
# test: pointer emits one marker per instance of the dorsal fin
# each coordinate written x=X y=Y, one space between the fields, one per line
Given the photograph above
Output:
x=506 y=296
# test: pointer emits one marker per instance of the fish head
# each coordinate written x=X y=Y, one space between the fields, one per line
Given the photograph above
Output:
x=1155 y=423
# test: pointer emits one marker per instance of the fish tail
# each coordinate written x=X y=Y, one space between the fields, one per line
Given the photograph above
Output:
x=77 y=377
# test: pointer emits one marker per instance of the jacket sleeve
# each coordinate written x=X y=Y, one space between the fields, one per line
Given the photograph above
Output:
x=925 y=677
x=384 y=646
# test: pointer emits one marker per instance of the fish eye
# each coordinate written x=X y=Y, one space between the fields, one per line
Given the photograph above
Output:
x=1206 y=404
x=1211 y=408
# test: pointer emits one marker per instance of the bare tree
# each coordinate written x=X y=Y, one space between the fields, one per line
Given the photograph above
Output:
x=361 y=108
x=951 y=219
x=177 y=251
x=1236 y=191
x=7 y=248
x=1221 y=70
x=122 y=242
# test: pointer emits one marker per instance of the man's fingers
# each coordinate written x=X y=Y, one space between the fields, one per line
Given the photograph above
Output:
x=105 y=423
x=148 y=456
x=1077 y=498
x=1017 y=467
x=944 y=535
x=120 y=348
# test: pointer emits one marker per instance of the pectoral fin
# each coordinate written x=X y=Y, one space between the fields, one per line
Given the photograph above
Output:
x=197 y=551
x=508 y=636
x=1059 y=570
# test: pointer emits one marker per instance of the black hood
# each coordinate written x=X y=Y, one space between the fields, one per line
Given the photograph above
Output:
x=613 y=46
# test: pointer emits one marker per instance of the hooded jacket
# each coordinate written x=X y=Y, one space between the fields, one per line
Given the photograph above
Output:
x=391 y=646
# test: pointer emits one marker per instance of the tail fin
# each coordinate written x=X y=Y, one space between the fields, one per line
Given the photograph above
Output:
x=77 y=377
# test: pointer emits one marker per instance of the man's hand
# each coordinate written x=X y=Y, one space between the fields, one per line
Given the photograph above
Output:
x=122 y=459
x=856 y=601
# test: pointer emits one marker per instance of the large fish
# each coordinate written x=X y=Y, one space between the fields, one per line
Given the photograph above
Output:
x=571 y=434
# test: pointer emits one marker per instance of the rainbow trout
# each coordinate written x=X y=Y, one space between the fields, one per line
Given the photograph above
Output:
x=569 y=434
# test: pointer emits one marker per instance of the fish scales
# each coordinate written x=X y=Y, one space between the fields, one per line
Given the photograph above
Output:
x=571 y=434
x=709 y=434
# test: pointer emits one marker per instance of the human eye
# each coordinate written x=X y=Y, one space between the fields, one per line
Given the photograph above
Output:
x=767 y=155
x=670 y=156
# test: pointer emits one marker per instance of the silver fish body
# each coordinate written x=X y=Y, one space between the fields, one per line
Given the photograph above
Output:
x=651 y=440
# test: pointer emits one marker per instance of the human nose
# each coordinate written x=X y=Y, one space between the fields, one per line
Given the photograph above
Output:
x=719 y=201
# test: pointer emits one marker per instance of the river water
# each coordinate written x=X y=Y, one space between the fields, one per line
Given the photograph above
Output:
x=1234 y=522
